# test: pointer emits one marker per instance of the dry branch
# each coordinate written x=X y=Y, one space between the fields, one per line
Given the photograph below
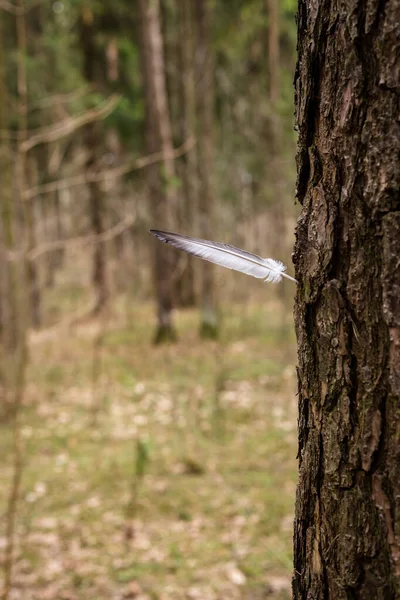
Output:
x=68 y=126
x=81 y=240
x=135 y=165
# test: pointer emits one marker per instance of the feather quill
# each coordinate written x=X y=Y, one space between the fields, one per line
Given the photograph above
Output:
x=227 y=256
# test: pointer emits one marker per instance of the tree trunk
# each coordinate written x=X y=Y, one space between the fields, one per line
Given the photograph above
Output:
x=161 y=176
x=6 y=193
x=205 y=104
x=93 y=140
x=24 y=167
x=347 y=311
x=13 y=278
x=188 y=164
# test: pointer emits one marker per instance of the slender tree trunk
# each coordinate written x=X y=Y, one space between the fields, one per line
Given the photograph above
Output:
x=11 y=270
x=347 y=313
x=169 y=27
x=8 y=273
x=160 y=177
x=24 y=167
x=205 y=100
x=14 y=309
x=93 y=142
x=188 y=164
x=6 y=191
x=114 y=151
x=179 y=60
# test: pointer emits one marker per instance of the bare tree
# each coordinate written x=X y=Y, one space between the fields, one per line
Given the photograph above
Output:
x=347 y=314
x=160 y=177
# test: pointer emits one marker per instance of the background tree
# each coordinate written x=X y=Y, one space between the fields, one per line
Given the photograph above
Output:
x=24 y=161
x=205 y=136
x=6 y=178
x=93 y=140
x=187 y=125
x=347 y=312
x=160 y=177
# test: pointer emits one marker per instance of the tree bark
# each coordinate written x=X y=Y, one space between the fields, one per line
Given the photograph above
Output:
x=205 y=146
x=93 y=142
x=161 y=176
x=347 y=313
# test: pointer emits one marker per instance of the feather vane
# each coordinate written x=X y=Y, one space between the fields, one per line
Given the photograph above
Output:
x=227 y=256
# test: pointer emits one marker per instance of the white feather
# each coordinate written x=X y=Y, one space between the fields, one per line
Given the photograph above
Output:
x=227 y=256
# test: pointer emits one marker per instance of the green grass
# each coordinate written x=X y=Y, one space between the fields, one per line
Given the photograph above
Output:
x=212 y=512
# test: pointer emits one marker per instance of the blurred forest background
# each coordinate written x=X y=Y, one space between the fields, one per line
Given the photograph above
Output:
x=131 y=467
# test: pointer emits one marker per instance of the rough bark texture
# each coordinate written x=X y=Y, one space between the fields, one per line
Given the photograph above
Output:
x=205 y=147
x=347 y=311
x=160 y=177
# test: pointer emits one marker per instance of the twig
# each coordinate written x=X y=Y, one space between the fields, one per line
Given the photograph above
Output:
x=61 y=128
x=135 y=165
x=107 y=235
x=68 y=126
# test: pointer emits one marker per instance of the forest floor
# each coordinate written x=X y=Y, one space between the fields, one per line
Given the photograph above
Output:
x=162 y=473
